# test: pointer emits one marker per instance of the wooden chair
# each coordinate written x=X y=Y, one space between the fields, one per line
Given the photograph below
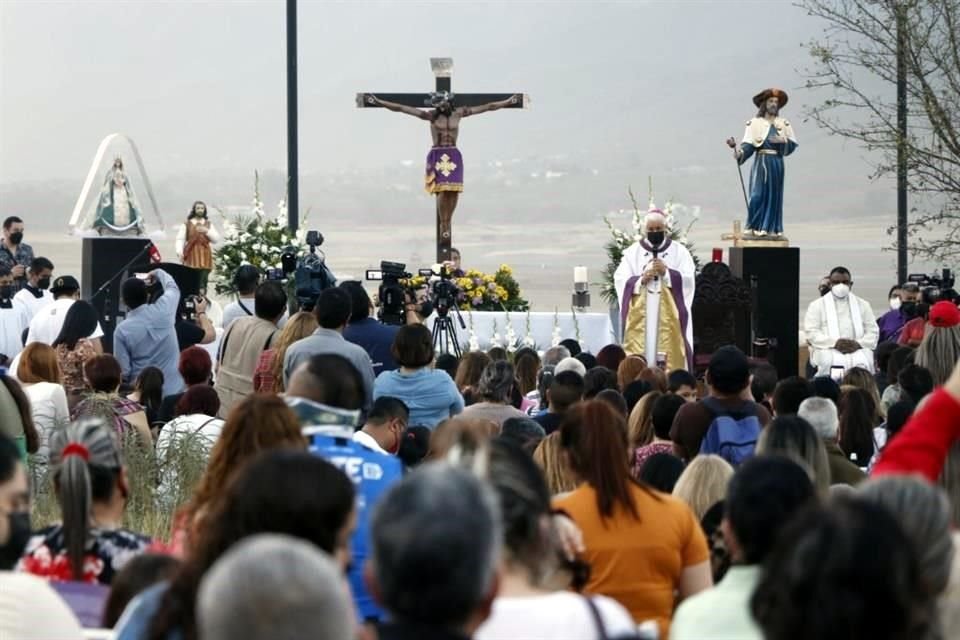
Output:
x=722 y=307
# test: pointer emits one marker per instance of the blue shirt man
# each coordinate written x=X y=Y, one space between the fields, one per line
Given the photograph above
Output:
x=376 y=339
x=365 y=332
x=372 y=473
x=147 y=336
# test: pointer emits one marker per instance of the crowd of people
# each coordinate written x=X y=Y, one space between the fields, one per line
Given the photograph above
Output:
x=330 y=477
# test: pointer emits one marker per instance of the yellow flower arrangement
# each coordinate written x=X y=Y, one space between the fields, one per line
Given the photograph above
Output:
x=490 y=292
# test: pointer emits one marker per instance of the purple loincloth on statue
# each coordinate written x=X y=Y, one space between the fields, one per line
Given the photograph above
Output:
x=444 y=170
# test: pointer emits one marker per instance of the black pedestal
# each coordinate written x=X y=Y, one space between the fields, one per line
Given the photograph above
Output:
x=104 y=260
x=773 y=274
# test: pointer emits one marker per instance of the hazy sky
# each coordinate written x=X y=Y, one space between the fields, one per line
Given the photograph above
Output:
x=625 y=89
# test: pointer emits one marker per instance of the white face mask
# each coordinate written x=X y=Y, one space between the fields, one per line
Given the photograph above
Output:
x=894 y=303
x=840 y=290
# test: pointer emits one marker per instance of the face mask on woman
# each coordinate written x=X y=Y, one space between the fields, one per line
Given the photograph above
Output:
x=18 y=526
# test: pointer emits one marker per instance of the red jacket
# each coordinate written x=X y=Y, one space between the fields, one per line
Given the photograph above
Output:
x=912 y=333
x=922 y=446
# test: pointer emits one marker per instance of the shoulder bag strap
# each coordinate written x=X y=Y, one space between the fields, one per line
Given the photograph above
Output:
x=266 y=345
x=200 y=428
x=597 y=618
x=223 y=344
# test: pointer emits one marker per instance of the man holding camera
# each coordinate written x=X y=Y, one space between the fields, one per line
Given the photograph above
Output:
x=193 y=326
x=147 y=337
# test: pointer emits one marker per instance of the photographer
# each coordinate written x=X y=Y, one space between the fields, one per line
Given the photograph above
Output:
x=933 y=289
x=375 y=338
x=193 y=326
x=418 y=306
x=147 y=337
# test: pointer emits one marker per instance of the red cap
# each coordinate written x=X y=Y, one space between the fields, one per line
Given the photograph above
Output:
x=944 y=314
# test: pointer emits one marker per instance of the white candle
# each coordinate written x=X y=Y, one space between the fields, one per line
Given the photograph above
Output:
x=580 y=274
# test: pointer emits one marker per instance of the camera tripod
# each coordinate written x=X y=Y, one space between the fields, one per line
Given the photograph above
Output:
x=445 y=333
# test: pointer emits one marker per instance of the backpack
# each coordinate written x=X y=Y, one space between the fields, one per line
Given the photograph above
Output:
x=732 y=435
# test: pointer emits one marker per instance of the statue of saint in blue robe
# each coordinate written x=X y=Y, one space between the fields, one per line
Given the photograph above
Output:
x=770 y=141
x=117 y=210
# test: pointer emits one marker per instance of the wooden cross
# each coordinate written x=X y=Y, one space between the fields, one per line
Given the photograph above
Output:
x=443 y=71
x=736 y=236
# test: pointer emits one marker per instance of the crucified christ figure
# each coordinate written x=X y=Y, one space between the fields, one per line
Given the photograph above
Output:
x=444 y=170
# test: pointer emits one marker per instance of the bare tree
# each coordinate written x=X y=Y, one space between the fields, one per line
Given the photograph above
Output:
x=856 y=60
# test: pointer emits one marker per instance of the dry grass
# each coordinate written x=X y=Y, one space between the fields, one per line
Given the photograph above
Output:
x=158 y=487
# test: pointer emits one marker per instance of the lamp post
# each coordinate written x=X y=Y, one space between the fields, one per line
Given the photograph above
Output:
x=293 y=168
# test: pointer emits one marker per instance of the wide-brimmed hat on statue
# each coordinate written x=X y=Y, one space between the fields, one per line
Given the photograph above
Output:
x=766 y=94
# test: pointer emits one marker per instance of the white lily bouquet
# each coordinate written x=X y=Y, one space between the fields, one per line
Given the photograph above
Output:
x=473 y=342
x=495 y=339
x=256 y=239
x=680 y=221
x=528 y=340
x=511 y=336
x=557 y=337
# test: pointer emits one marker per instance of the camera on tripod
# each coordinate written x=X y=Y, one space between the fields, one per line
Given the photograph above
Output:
x=311 y=275
x=445 y=296
x=444 y=292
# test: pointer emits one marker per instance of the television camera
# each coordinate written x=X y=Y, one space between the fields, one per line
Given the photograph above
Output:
x=935 y=287
x=311 y=275
x=395 y=294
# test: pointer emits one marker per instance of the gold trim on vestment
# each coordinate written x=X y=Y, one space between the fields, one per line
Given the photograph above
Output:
x=670 y=333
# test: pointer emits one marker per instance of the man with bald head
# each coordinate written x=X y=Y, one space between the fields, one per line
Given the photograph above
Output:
x=655 y=284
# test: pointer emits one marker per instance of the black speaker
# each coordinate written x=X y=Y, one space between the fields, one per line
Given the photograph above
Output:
x=109 y=261
x=773 y=274
x=187 y=279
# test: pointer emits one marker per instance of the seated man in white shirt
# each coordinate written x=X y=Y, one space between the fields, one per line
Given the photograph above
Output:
x=841 y=329
x=385 y=427
x=14 y=318
x=35 y=294
x=762 y=497
x=47 y=323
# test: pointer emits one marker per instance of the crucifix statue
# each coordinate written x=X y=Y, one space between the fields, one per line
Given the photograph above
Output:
x=443 y=110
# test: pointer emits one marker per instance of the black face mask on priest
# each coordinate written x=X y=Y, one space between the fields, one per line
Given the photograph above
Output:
x=656 y=228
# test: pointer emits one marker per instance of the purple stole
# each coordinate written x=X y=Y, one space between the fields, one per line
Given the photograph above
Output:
x=676 y=290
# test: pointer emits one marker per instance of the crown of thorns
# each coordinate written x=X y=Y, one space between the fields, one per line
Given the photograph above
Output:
x=439 y=97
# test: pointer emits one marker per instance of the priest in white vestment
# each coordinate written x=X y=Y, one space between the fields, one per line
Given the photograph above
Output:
x=655 y=283
x=841 y=328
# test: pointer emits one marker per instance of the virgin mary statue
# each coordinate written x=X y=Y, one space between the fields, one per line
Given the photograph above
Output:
x=117 y=210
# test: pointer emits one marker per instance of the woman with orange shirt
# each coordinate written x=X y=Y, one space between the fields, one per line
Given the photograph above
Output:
x=644 y=547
